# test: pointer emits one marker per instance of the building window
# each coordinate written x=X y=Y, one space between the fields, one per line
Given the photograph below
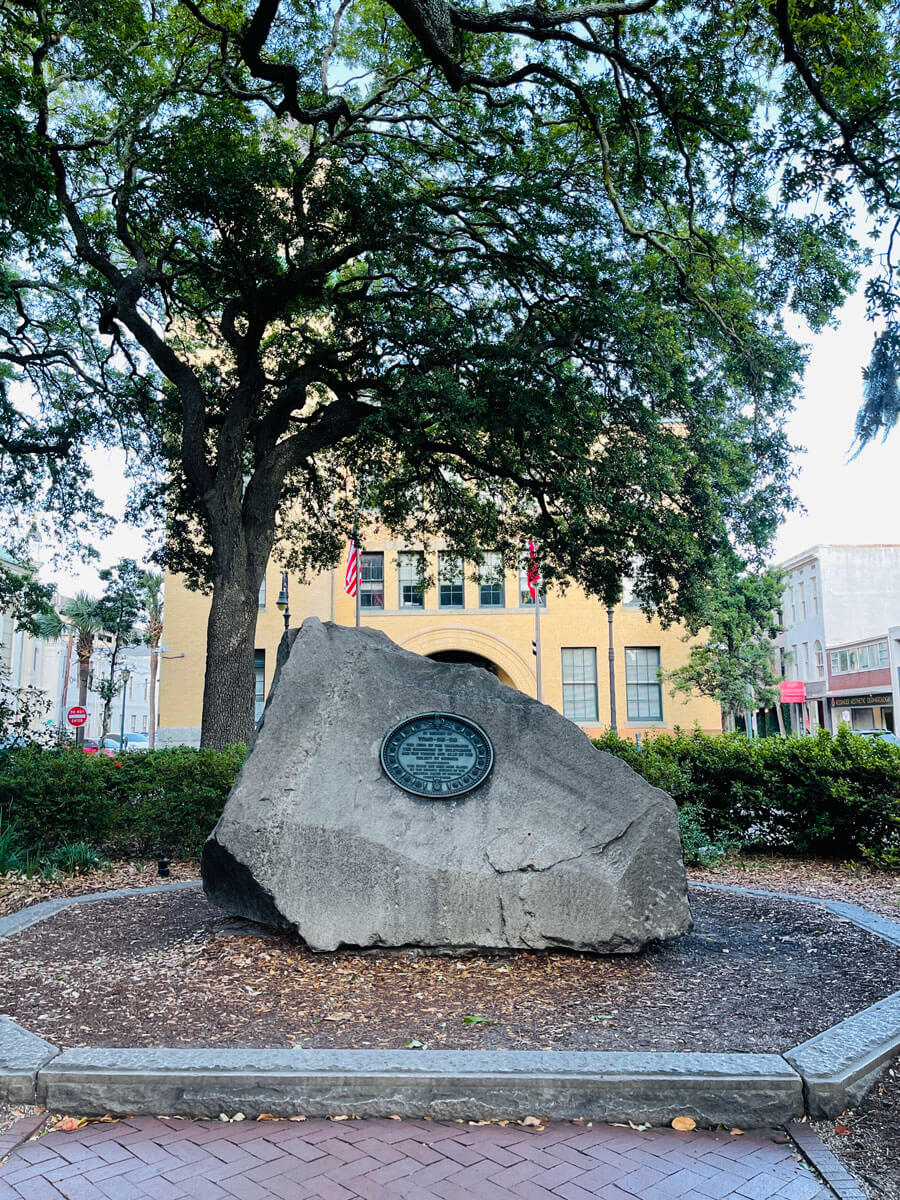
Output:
x=579 y=683
x=524 y=593
x=820 y=660
x=491 y=592
x=801 y=597
x=259 y=673
x=371 y=580
x=451 y=581
x=642 y=684
x=813 y=596
x=793 y=606
x=144 y=723
x=863 y=658
x=411 y=573
x=261 y=598
x=805 y=674
x=134 y=723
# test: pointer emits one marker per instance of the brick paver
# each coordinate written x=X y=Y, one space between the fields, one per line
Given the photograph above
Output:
x=172 y=1159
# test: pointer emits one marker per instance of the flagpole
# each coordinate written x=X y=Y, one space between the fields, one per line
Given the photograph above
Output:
x=358 y=575
x=537 y=642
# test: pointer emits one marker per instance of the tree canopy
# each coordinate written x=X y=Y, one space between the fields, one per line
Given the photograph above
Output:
x=734 y=664
x=496 y=274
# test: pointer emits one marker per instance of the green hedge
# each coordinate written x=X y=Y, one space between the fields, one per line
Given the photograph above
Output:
x=836 y=796
x=135 y=803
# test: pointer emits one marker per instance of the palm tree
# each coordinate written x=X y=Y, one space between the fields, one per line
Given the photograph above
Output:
x=151 y=587
x=83 y=615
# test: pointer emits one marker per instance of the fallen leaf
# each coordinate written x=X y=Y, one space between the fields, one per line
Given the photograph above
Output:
x=266 y=1117
x=340 y=1117
x=842 y=1129
x=530 y=1122
x=684 y=1124
x=737 y=1132
x=68 y=1124
x=339 y=1017
x=239 y=1117
x=395 y=1117
x=296 y=1118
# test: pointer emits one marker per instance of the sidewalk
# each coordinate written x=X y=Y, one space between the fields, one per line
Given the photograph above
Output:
x=168 y=1158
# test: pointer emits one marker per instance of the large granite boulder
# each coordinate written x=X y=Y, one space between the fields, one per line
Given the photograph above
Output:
x=560 y=846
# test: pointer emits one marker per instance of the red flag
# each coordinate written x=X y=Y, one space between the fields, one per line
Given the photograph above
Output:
x=534 y=571
x=351 y=577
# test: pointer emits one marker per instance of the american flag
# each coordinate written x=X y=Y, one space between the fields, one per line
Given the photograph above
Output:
x=351 y=577
x=534 y=571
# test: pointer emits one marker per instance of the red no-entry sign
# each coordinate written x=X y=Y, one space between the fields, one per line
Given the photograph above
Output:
x=76 y=715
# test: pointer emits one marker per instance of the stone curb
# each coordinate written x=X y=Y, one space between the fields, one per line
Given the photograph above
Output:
x=823 y=1075
x=22 y=1055
x=27 y=917
x=839 y=1065
x=753 y=1089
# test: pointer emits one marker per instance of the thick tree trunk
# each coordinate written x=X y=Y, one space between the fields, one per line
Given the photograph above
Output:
x=229 y=683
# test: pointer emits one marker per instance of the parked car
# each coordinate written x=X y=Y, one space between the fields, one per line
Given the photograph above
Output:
x=89 y=746
x=133 y=741
x=881 y=735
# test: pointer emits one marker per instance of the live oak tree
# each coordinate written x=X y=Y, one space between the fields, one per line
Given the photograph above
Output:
x=322 y=261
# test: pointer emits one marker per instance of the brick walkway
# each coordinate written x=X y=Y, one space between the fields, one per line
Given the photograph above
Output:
x=410 y=1160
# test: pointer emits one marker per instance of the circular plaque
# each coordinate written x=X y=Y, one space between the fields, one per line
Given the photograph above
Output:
x=437 y=755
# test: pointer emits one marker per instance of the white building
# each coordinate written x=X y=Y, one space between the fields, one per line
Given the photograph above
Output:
x=50 y=665
x=841 y=610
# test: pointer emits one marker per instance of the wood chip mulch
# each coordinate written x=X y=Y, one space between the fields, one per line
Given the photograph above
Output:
x=171 y=970
x=755 y=996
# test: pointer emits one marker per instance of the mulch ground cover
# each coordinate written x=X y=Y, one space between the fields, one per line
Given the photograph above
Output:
x=172 y=970
x=866 y=1139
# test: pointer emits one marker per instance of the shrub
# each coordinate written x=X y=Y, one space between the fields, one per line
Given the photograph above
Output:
x=137 y=803
x=832 y=795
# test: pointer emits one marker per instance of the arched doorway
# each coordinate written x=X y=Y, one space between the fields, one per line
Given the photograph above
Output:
x=449 y=643
x=466 y=656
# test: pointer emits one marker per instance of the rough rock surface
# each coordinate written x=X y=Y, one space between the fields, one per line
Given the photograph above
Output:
x=561 y=846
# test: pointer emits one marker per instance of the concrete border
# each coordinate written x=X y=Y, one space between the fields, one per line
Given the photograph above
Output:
x=756 y=1089
x=820 y=1077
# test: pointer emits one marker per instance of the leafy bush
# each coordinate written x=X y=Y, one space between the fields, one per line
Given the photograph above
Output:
x=832 y=795
x=10 y=847
x=137 y=803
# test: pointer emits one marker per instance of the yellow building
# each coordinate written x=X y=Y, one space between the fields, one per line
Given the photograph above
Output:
x=489 y=621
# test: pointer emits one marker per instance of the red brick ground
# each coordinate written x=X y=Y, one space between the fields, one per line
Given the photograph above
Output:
x=167 y=1159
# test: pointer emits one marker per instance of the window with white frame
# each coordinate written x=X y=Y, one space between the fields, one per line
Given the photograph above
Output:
x=451 y=581
x=820 y=659
x=410 y=573
x=813 y=596
x=642 y=683
x=261 y=598
x=870 y=657
x=801 y=599
x=491 y=589
x=371 y=580
x=579 y=683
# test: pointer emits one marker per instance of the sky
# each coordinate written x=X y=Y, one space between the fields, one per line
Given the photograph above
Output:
x=843 y=501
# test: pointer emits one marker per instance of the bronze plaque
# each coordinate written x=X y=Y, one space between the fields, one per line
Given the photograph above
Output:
x=437 y=755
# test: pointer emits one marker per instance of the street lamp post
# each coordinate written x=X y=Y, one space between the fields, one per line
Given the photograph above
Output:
x=282 y=603
x=126 y=675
